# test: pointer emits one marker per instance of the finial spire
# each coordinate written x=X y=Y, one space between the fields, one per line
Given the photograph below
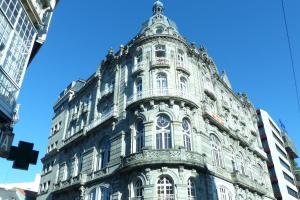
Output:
x=158 y=8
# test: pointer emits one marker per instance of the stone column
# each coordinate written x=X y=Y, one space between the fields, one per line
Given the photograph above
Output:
x=177 y=135
x=148 y=191
x=181 y=191
x=149 y=134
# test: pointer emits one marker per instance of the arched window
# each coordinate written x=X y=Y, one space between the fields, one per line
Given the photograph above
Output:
x=103 y=154
x=186 y=131
x=165 y=189
x=138 y=189
x=139 y=87
x=183 y=85
x=100 y=193
x=160 y=51
x=140 y=130
x=191 y=190
x=240 y=163
x=162 y=83
x=163 y=132
x=248 y=169
x=216 y=151
x=224 y=193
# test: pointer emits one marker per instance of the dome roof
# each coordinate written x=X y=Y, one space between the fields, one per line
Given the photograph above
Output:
x=158 y=3
x=159 y=23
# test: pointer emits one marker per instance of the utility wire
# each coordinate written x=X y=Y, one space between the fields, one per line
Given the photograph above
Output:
x=291 y=53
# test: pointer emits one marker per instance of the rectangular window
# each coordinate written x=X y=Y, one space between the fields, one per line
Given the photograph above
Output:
x=288 y=178
x=292 y=192
x=284 y=164
x=274 y=127
x=160 y=51
x=281 y=151
x=277 y=139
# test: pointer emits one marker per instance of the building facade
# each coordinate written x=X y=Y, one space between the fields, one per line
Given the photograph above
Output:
x=23 y=29
x=281 y=153
x=155 y=121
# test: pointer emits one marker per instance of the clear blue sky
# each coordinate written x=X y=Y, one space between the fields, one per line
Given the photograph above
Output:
x=246 y=38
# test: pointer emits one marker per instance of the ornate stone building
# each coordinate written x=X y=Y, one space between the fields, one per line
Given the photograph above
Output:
x=155 y=121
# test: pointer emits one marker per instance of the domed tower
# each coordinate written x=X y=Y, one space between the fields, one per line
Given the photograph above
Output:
x=156 y=121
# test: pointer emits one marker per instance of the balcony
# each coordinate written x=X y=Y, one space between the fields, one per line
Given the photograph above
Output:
x=74 y=137
x=160 y=62
x=290 y=146
x=182 y=67
x=164 y=94
x=70 y=183
x=107 y=91
x=165 y=156
x=248 y=183
x=98 y=174
x=112 y=114
x=138 y=68
x=166 y=197
x=216 y=120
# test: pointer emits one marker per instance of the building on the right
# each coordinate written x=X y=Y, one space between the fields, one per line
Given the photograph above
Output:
x=281 y=154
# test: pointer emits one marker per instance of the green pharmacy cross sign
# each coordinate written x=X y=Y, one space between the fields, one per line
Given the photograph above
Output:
x=23 y=155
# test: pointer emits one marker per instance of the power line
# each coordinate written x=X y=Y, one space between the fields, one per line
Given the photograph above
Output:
x=291 y=53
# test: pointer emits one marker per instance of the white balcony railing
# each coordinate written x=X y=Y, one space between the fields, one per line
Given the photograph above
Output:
x=160 y=62
x=166 y=197
x=138 y=67
x=161 y=93
x=183 y=67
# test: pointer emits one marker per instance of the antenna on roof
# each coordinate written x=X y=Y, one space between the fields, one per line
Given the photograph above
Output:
x=282 y=126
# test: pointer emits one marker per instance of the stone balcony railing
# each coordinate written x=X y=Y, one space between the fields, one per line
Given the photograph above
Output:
x=70 y=182
x=74 y=136
x=160 y=62
x=113 y=113
x=247 y=182
x=98 y=174
x=183 y=67
x=107 y=91
x=139 y=67
x=167 y=156
x=167 y=93
x=166 y=197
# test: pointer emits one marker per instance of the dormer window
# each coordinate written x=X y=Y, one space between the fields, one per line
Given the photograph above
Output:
x=139 y=56
x=160 y=51
x=180 y=56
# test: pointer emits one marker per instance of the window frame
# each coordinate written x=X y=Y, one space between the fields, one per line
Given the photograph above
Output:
x=187 y=141
x=163 y=134
x=160 y=51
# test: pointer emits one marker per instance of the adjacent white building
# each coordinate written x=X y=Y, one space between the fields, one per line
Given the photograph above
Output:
x=23 y=28
x=276 y=144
